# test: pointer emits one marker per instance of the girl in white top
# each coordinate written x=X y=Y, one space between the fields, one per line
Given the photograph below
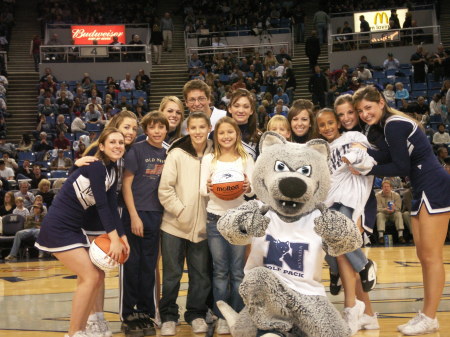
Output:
x=228 y=259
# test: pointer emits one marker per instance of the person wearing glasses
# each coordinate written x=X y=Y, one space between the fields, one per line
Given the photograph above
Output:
x=197 y=97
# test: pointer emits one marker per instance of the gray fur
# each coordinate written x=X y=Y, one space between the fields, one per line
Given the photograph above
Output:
x=301 y=182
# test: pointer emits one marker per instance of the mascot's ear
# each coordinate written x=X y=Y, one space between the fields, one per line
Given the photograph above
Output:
x=270 y=138
x=321 y=146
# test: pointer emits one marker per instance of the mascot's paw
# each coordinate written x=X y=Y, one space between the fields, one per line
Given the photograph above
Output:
x=239 y=225
x=339 y=233
x=267 y=300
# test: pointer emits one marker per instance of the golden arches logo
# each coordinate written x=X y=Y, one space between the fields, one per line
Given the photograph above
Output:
x=382 y=16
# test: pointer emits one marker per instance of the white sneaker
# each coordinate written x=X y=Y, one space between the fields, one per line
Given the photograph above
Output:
x=94 y=329
x=168 y=328
x=222 y=327
x=353 y=315
x=423 y=325
x=410 y=322
x=78 y=334
x=199 y=325
x=369 y=322
x=104 y=328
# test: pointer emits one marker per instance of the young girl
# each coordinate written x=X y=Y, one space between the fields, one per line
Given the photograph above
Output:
x=280 y=125
x=183 y=228
x=348 y=194
x=228 y=259
x=61 y=232
x=411 y=155
x=9 y=204
x=301 y=120
x=20 y=208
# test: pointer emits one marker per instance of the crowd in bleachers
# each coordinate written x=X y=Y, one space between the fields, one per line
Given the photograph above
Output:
x=6 y=24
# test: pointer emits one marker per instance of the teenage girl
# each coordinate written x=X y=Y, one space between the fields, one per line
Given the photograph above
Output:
x=126 y=123
x=301 y=119
x=61 y=231
x=411 y=155
x=228 y=259
x=348 y=196
x=183 y=228
x=242 y=108
x=280 y=125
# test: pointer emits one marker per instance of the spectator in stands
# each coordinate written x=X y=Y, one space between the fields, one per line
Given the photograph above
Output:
x=61 y=125
x=239 y=84
x=25 y=143
x=10 y=162
x=63 y=88
x=282 y=55
x=418 y=61
x=279 y=109
x=320 y=22
x=6 y=172
x=167 y=28
x=77 y=106
x=446 y=65
x=312 y=49
x=140 y=83
x=115 y=49
x=394 y=19
x=422 y=107
x=94 y=95
x=79 y=150
x=82 y=97
x=136 y=53
x=441 y=136
x=47 y=71
x=9 y=204
x=24 y=171
x=298 y=21
x=21 y=209
x=61 y=142
x=49 y=84
x=435 y=105
x=156 y=41
x=195 y=66
x=45 y=93
x=142 y=104
x=92 y=114
x=400 y=91
x=35 y=51
x=364 y=25
x=23 y=193
x=7 y=147
x=391 y=63
x=61 y=162
x=442 y=154
x=97 y=107
x=127 y=84
x=31 y=231
x=54 y=53
x=36 y=176
x=48 y=109
x=45 y=192
x=123 y=104
x=318 y=86
x=364 y=74
x=281 y=95
x=389 y=205
x=270 y=61
x=63 y=104
x=389 y=93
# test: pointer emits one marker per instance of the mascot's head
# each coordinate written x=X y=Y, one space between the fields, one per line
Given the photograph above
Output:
x=291 y=178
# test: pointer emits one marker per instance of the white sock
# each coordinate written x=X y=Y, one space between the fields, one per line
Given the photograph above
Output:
x=92 y=318
x=380 y=234
x=400 y=233
x=100 y=316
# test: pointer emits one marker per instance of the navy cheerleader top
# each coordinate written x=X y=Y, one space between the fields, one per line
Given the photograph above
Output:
x=92 y=185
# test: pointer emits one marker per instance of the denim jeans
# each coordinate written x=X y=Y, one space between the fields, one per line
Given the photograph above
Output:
x=174 y=250
x=24 y=234
x=228 y=267
x=300 y=33
x=356 y=258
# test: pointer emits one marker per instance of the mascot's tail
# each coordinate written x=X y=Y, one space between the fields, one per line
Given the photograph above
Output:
x=228 y=312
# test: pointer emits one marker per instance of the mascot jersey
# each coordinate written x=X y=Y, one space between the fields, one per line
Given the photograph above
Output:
x=293 y=251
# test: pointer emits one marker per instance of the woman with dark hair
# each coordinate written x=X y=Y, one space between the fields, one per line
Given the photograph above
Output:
x=25 y=144
x=301 y=119
x=411 y=155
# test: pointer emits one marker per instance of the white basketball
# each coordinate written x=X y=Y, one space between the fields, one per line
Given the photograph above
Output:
x=100 y=259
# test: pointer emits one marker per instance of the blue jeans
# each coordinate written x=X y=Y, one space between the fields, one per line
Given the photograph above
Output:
x=228 y=267
x=174 y=250
x=322 y=31
x=300 y=33
x=24 y=234
x=356 y=258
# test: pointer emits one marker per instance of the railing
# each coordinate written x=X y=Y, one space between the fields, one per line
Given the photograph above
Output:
x=4 y=59
x=262 y=33
x=415 y=7
x=383 y=39
x=95 y=53
x=237 y=50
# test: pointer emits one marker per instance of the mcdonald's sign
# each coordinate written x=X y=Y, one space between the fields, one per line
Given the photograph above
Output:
x=382 y=16
x=378 y=20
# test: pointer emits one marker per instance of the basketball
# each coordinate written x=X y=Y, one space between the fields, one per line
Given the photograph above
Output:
x=227 y=184
x=98 y=253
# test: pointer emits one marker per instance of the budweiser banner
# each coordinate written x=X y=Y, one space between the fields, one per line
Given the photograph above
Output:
x=101 y=34
x=378 y=20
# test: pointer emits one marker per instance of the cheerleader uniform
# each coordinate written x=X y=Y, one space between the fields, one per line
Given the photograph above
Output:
x=413 y=156
x=61 y=229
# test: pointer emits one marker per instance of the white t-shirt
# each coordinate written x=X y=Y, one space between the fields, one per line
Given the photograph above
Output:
x=215 y=205
x=293 y=251
x=7 y=172
x=346 y=188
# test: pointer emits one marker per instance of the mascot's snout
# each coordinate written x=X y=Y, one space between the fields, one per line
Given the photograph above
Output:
x=292 y=187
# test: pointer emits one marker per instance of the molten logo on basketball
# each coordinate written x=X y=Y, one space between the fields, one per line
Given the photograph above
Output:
x=228 y=188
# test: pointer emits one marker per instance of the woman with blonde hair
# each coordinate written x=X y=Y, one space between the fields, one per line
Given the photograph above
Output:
x=173 y=109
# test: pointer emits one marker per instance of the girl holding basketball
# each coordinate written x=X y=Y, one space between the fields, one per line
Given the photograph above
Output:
x=411 y=155
x=61 y=231
x=228 y=260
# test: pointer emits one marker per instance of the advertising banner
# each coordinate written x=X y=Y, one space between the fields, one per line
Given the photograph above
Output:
x=101 y=34
x=378 y=20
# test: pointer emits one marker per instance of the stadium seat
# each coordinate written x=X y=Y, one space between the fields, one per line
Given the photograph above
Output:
x=59 y=174
x=25 y=155
x=93 y=127
x=416 y=93
x=378 y=74
x=420 y=86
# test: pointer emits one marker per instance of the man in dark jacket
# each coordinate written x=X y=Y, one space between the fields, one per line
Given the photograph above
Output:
x=318 y=86
x=312 y=49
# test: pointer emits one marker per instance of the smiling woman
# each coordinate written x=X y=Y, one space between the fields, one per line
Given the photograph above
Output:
x=61 y=231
